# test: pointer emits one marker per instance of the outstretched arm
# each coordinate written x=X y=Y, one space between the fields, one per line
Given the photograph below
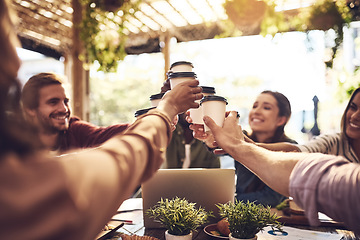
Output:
x=314 y=180
x=208 y=138
x=274 y=168
x=71 y=187
x=280 y=146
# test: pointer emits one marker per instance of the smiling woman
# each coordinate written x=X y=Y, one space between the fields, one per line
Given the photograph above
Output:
x=267 y=119
x=351 y=120
x=347 y=142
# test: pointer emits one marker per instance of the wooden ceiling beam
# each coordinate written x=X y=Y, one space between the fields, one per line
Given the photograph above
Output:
x=145 y=14
x=162 y=15
x=48 y=25
x=36 y=7
x=213 y=10
x=195 y=10
x=179 y=12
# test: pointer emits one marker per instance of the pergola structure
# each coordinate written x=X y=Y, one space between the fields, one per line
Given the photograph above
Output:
x=48 y=27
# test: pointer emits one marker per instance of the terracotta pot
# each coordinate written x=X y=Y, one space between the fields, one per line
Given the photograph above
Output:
x=169 y=236
x=111 y=5
x=232 y=238
x=246 y=14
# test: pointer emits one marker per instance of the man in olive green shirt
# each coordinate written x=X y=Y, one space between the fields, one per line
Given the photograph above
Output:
x=185 y=151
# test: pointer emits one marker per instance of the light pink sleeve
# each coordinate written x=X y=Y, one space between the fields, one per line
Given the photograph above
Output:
x=327 y=184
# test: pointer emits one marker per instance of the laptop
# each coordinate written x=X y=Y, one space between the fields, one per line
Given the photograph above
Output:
x=205 y=187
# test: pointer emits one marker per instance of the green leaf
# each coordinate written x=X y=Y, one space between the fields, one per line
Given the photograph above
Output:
x=247 y=219
x=178 y=216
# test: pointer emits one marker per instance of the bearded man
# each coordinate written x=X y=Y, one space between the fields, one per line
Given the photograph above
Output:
x=46 y=106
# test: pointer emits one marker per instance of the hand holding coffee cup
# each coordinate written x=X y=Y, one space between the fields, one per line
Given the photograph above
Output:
x=199 y=132
x=181 y=66
x=181 y=98
x=196 y=114
x=179 y=77
x=179 y=72
x=214 y=107
x=227 y=135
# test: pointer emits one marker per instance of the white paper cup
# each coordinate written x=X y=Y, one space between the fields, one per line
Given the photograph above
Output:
x=179 y=77
x=196 y=114
x=176 y=81
x=155 y=99
x=214 y=107
x=181 y=66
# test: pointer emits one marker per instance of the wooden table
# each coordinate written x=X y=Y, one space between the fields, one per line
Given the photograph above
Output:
x=293 y=232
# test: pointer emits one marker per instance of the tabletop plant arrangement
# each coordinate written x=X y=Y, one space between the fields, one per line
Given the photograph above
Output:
x=179 y=217
x=245 y=220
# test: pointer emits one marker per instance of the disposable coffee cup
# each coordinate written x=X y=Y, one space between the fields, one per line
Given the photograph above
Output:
x=214 y=107
x=179 y=77
x=155 y=99
x=142 y=111
x=181 y=66
x=196 y=114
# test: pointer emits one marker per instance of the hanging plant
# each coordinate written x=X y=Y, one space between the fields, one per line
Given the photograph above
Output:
x=326 y=15
x=274 y=21
x=246 y=14
x=103 y=31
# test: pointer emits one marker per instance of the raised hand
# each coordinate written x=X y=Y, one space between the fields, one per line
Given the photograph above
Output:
x=181 y=98
x=227 y=136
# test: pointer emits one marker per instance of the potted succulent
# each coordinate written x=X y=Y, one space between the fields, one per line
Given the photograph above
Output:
x=245 y=220
x=179 y=217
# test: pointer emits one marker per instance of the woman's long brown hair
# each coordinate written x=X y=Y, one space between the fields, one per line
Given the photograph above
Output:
x=15 y=134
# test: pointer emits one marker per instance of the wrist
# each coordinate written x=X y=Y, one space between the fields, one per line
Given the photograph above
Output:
x=167 y=109
x=242 y=150
x=162 y=115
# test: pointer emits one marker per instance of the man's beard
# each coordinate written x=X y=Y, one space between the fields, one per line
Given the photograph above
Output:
x=48 y=127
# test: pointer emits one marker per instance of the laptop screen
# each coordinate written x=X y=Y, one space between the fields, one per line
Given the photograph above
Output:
x=205 y=187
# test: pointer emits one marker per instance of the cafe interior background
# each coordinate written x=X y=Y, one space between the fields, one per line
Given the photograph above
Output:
x=239 y=68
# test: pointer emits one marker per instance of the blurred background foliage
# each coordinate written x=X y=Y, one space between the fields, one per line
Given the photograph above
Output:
x=115 y=97
x=239 y=68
